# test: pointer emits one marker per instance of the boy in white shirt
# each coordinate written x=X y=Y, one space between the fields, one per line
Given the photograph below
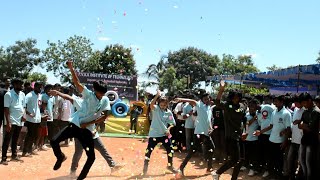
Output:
x=280 y=126
x=296 y=135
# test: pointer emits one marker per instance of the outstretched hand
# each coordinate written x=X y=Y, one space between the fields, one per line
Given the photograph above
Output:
x=158 y=92
x=223 y=84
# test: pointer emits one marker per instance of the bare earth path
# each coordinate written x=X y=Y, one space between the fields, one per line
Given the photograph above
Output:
x=126 y=151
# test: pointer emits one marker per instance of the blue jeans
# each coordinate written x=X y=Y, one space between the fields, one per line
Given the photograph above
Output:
x=98 y=145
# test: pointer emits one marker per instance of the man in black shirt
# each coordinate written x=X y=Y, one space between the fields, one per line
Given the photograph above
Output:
x=234 y=118
x=218 y=134
x=310 y=124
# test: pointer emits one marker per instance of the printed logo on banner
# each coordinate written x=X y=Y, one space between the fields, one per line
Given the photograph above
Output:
x=125 y=86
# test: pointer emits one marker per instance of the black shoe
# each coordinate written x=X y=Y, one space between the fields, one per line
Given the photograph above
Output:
x=59 y=162
x=171 y=169
x=16 y=159
x=4 y=162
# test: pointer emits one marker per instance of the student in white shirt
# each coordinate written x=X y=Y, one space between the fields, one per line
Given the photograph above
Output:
x=264 y=119
x=202 y=131
x=251 y=141
x=14 y=103
x=33 y=102
x=280 y=126
x=296 y=135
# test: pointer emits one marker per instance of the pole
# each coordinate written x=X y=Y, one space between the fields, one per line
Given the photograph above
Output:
x=298 y=83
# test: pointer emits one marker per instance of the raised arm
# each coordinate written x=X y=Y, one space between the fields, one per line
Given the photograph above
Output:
x=153 y=102
x=221 y=91
x=75 y=78
x=190 y=101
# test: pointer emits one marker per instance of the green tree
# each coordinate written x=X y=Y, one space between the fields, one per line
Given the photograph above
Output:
x=19 y=59
x=274 y=68
x=318 y=59
x=114 y=59
x=170 y=81
x=35 y=76
x=194 y=63
x=76 y=48
x=241 y=65
x=155 y=71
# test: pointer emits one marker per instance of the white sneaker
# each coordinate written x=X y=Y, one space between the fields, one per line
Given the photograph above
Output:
x=265 y=174
x=251 y=172
x=215 y=176
x=243 y=168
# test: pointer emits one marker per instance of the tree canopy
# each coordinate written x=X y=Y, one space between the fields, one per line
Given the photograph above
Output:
x=19 y=59
x=114 y=59
x=35 y=76
x=76 y=48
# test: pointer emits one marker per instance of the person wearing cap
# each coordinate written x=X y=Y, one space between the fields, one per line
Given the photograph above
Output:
x=14 y=104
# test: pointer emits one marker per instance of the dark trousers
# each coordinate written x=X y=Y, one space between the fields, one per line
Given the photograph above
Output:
x=308 y=161
x=276 y=158
x=53 y=128
x=12 y=136
x=233 y=150
x=189 y=137
x=133 y=123
x=219 y=139
x=264 y=145
x=208 y=150
x=151 y=144
x=86 y=140
x=179 y=134
x=292 y=159
x=98 y=145
x=251 y=154
x=31 y=137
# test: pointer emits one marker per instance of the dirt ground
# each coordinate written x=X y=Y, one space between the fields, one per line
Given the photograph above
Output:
x=127 y=151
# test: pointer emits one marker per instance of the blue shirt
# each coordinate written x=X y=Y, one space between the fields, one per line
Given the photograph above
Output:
x=264 y=117
x=33 y=102
x=280 y=121
x=189 y=121
x=49 y=100
x=250 y=129
x=89 y=109
x=203 y=120
x=16 y=103
x=161 y=119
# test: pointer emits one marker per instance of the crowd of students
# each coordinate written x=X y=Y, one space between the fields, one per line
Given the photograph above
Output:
x=272 y=136
x=277 y=136
x=45 y=114
x=30 y=117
